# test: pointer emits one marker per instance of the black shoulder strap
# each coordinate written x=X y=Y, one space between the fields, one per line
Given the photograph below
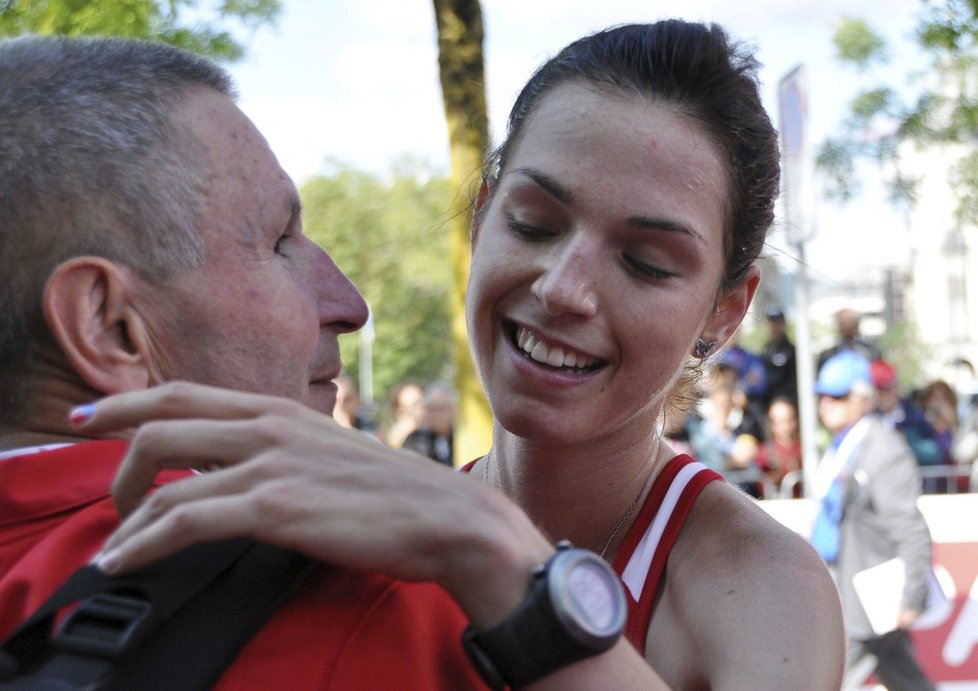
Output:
x=176 y=624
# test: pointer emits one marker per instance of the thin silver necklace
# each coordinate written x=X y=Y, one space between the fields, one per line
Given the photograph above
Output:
x=628 y=512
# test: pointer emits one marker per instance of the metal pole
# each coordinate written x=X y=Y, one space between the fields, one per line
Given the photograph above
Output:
x=807 y=412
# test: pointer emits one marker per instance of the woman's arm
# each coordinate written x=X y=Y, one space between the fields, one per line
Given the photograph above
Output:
x=288 y=476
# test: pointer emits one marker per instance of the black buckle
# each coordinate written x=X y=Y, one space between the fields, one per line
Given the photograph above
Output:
x=104 y=625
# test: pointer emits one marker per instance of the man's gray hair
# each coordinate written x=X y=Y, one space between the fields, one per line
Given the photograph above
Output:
x=91 y=164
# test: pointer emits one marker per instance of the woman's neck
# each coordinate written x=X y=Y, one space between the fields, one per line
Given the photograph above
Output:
x=579 y=491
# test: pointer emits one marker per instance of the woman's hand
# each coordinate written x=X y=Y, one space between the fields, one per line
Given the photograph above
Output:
x=283 y=474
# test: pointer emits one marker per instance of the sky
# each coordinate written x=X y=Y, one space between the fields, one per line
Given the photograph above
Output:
x=356 y=81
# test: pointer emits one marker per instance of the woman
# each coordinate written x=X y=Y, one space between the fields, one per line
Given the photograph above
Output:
x=781 y=454
x=613 y=249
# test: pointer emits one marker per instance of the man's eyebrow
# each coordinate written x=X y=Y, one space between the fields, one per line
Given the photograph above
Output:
x=664 y=224
x=556 y=190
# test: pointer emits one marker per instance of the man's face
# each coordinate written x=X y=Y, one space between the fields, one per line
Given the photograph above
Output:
x=839 y=412
x=776 y=327
x=848 y=323
x=887 y=398
x=264 y=310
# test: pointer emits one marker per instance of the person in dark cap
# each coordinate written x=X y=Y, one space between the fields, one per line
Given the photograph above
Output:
x=779 y=360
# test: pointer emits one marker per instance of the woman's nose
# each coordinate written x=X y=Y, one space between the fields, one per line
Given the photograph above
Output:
x=567 y=284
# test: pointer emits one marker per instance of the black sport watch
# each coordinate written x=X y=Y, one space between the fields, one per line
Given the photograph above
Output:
x=576 y=608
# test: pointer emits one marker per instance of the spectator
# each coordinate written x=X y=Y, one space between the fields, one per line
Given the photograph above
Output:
x=434 y=438
x=868 y=485
x=903 y=414
x=751 y=373
x=405 y=400
x=779 y=359
x=847 y=327
x=940 y=405
x=781 y=454
x=348 y=411
x=725 y=436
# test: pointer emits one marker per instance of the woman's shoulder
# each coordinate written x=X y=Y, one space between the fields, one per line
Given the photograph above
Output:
x=734 y=567
x=727 y=530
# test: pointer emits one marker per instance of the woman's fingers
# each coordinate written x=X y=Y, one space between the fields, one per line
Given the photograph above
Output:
x=145 y=538
x=201 y=444
x=180 y=400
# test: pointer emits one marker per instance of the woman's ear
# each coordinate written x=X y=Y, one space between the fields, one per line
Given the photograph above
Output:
x=89 y=310
x=731 y=308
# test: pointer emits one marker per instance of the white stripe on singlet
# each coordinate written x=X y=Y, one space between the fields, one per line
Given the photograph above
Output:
x=637 y=570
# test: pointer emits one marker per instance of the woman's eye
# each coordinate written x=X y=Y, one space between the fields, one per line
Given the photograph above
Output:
x=646 y=270
x=528 y=231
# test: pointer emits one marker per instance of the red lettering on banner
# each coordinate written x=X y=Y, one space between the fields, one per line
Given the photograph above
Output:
x=946 y=640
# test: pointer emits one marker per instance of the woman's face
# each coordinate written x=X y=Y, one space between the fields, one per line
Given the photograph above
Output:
x=783 y=421
x=596 y=264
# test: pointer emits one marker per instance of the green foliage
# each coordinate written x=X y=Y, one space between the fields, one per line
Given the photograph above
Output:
x=872 y=103
x=856 y=42
x=949 y=26
x=390 y=236
x=964 y=179
x=177 y=22
x=943 y=111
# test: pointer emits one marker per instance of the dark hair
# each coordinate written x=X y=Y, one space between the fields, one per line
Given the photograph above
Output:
x=695 y=68
x=91 y=164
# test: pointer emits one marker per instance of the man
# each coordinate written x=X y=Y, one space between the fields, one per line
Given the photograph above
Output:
x=868 y=485
x=779 y=360
x=903 y=415
x=847 y=326
x=148 y=234
x=434 y=438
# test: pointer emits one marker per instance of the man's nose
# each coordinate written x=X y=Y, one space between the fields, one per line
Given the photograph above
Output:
x=340 y=304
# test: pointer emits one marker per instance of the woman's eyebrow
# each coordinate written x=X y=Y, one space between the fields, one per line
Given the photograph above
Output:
x=563 y=194
x=665 y=224
x=554 y=188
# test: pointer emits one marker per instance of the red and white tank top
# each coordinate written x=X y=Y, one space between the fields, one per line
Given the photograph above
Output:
x=642 y=558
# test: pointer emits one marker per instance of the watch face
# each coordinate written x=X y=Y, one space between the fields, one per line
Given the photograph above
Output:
x=588 y=597
x=590 y=592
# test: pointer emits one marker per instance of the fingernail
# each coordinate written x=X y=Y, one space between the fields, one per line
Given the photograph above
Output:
x=109 y=562
x=81 y=414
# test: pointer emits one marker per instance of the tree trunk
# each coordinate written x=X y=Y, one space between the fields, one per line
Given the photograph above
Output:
x=460 y=63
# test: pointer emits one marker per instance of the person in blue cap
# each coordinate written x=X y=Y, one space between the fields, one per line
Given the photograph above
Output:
x=868 y=485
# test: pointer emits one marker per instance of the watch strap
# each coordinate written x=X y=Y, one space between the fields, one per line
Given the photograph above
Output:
x=529 y=644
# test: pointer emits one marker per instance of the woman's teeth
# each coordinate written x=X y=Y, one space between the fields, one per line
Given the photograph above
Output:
x=554 y=356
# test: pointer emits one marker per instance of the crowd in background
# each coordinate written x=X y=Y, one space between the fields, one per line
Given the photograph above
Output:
x=418 y=418
x=747 y=426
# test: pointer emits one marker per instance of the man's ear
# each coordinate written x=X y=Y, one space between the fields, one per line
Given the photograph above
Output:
x=88 y=307
x=731 y=308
